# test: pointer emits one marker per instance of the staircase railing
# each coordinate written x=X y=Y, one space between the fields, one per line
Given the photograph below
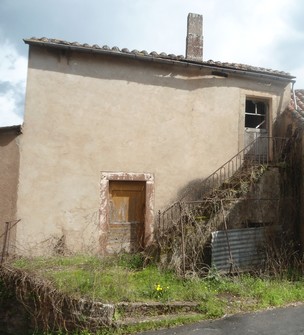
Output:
x=261 y=151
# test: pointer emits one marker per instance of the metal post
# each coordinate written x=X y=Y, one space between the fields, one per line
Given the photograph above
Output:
x=183 y=241
x=4 y=242
x=159 y=221
x=227 y=238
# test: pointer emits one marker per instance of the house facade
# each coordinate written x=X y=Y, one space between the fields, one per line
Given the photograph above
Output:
x=111 y=136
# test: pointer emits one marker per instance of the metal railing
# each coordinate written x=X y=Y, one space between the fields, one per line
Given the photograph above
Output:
x=261 y=151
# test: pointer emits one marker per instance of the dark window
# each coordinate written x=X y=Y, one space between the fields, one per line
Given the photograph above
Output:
x=255 y=114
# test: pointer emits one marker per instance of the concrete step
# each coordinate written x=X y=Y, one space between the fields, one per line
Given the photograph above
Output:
x=159 y=318
x=134 y=313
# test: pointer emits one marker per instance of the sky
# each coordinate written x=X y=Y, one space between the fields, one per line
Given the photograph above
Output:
x=263 y=33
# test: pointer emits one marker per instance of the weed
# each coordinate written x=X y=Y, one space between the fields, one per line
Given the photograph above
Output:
x=213 y=308
x=123 y=278
x=160 y=293
x=131 y=261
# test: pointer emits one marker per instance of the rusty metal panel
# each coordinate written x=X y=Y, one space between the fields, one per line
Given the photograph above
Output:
x=238 y=248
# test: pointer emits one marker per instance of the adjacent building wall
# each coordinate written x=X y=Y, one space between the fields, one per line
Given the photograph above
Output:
x=9 y=173
x=291 y=126
x=88 y=113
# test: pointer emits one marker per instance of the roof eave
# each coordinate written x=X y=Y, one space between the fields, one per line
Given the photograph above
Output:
x=179 y=62
x=15 y=128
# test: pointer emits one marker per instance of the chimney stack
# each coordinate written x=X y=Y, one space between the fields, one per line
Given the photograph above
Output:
x=194 y=41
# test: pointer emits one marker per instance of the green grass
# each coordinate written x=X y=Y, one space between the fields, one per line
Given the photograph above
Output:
x=123 y=278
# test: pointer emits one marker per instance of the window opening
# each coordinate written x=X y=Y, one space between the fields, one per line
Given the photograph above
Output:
x=255 y=114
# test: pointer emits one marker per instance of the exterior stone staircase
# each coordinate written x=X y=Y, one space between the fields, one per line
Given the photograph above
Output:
x=185 y=227
x=216 y=204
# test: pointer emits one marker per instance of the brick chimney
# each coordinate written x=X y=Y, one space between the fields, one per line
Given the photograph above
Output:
x=194 y=41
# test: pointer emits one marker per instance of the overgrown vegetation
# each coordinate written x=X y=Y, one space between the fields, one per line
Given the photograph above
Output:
x=125 y=278
x=190 y=223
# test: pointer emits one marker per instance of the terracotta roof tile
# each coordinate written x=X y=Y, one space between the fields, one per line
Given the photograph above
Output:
x=297 y=109
x=179 y=58
x=299 y=95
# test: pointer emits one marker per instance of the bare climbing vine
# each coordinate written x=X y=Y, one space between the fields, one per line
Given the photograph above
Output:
x=184 y=232
x=48 y=309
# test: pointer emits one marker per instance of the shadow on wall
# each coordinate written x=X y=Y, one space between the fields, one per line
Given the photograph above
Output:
x=144 y=71
x=8 y=135
x=192 y=191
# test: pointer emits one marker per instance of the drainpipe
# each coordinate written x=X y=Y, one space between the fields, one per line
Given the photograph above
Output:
x=294 y=96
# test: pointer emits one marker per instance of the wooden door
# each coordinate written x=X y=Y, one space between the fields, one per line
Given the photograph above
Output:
x=127 y=208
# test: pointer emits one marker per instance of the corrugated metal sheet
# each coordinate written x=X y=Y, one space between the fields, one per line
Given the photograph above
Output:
x=242 y=248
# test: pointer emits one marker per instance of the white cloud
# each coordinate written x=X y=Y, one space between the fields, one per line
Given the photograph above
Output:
x=8 y=106
x=13 y=69
x=246 y=32
x=265 y=33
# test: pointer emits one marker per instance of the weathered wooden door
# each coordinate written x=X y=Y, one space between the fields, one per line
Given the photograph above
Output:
x=127 y=208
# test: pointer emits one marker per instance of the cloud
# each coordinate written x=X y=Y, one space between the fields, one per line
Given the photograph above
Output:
x=265 y=33
x=13 y=69
x=247 y=30
x=8 y=114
